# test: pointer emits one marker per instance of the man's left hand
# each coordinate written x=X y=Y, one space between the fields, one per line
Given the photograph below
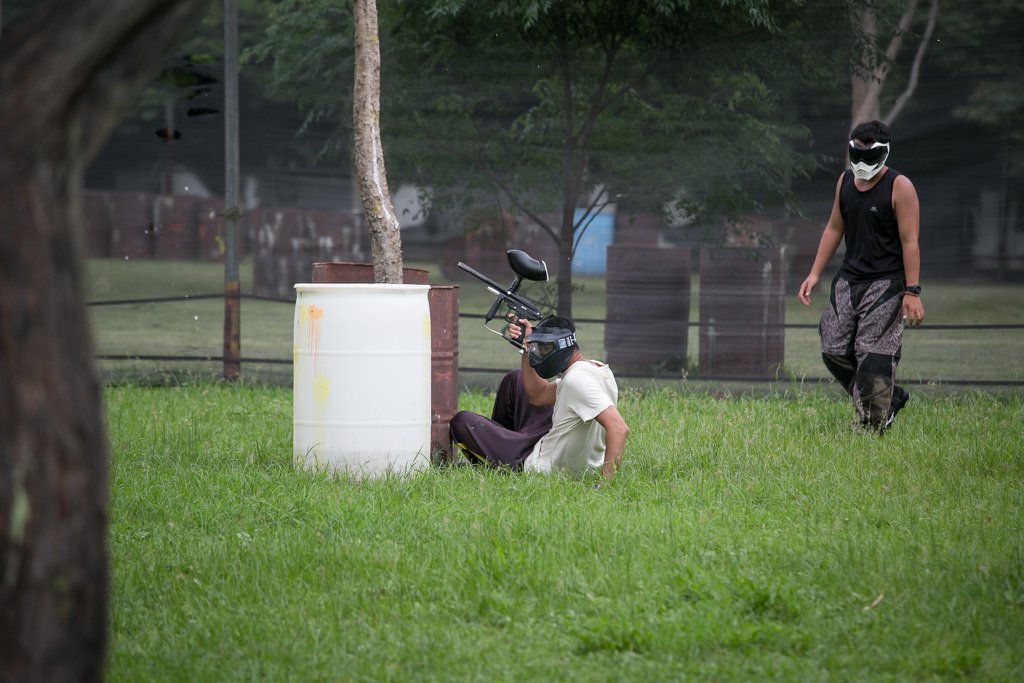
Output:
x=913 y=310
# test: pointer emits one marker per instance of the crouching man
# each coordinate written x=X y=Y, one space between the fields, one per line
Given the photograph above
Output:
x=556 y=413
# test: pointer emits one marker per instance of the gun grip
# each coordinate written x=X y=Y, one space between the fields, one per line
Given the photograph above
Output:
x=513 y=317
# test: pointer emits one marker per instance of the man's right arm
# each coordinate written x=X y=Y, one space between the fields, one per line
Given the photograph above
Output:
x=539 y=391
x=830 y=239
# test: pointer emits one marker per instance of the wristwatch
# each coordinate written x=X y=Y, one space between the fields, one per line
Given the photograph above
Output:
x=913 y=290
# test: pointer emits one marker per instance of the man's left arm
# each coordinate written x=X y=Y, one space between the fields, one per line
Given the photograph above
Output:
x=616 y=430
x=908 y=218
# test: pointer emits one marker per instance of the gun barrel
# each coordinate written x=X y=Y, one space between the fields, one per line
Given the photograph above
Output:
x=483 y=278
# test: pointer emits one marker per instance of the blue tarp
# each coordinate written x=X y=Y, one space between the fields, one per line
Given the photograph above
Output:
x=591 y=256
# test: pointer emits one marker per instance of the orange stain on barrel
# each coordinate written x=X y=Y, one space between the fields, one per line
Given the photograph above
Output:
x=314 y=315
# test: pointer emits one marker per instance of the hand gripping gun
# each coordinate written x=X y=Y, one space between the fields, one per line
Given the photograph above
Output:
x=517 y=306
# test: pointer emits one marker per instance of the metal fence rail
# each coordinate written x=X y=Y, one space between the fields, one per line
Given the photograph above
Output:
x=601 y=321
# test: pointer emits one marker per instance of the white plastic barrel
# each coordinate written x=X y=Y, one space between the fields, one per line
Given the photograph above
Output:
x=361 y=378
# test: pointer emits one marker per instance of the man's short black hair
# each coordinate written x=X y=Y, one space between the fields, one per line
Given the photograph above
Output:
x=554 y=321
x=871 y=132
x=557 y=321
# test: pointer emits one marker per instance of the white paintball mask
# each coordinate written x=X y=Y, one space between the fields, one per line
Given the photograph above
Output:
x=866 y=162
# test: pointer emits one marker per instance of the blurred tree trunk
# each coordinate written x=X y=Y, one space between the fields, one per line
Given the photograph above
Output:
x=385 y=236
x=66 y=74
x=873 y=66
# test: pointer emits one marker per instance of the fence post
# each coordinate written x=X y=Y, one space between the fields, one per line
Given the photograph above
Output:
x=232 y=304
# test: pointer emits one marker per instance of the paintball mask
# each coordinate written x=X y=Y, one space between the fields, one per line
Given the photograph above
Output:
x=866 y=162
x=550 y=350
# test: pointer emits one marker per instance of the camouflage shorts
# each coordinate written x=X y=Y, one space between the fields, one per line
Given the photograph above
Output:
x=863 y=318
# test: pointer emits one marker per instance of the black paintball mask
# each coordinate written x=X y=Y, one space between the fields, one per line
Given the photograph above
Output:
x=550 y=350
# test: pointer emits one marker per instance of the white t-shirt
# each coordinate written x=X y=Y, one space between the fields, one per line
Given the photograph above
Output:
x=576 y=441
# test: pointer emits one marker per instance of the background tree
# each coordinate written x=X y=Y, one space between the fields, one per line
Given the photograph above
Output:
x=881 y=29
x=309 y=46
x=184 y=102
x=648 y=102
x=644 y=103
x=981 y=43
x=67 y=72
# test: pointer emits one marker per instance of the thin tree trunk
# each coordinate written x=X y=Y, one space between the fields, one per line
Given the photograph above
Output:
x=866 y=90
x=571 y=181
x=65 y=76
x=385 y=236
x=1004 y=217
x=570 y=196
x=915 y=69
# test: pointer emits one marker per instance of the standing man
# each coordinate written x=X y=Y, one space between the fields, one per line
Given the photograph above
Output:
x=572 y=398
x=877 y=289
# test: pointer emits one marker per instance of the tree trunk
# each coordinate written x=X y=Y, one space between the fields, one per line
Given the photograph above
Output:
x=65 y=76
x=866 y=89
x=385 y=237
x=572 y=173
x=565 y=237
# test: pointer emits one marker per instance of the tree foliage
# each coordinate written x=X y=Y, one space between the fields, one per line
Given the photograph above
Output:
x=310 y=47
x=541 y=107
x=881 y=30
x=981 y=41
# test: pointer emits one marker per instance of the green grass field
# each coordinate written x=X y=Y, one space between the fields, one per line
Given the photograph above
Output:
x=745 y=539
x=195 y=327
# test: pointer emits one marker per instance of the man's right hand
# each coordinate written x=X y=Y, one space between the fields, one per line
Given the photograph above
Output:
x=523 y=327
x=805 y=289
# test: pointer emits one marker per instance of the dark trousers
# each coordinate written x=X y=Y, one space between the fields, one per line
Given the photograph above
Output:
x=861 y=341
x=508 y=437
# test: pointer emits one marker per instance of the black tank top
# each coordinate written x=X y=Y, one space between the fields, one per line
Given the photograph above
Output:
x=872 y=236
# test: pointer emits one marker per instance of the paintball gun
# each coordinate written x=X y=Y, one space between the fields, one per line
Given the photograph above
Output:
x=517 y=306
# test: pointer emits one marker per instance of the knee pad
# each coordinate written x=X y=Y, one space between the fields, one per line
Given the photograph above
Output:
x=875 y=381
x=878 y=364
x=843 y=368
